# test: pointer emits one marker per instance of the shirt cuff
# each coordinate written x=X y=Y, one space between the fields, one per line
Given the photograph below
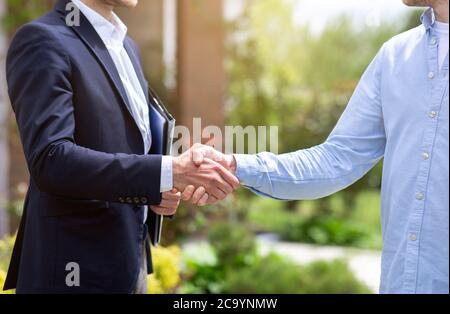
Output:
x=166 y=174
x=248 y=170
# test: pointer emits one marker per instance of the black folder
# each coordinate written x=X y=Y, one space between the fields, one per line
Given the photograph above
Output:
x=162 y=126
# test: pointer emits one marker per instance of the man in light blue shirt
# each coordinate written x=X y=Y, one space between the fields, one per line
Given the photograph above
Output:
x=399 y=111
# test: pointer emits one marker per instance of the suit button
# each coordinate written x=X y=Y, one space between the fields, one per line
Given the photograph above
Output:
x=129 y=200
x=121 y=199
x=144 y=200
x=137 y=200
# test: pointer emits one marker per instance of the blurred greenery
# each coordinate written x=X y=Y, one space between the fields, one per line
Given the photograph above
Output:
x=166 y=267
x=234 y=244
x=357 y=227
x=23 y=11
x=6 y=247
x=246 y=271
x=274 y=274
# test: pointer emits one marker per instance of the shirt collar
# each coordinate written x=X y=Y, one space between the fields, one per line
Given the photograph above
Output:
x=428 y=18
x=111 y=32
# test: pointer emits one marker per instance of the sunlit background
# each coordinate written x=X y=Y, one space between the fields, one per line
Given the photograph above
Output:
x=288 y=63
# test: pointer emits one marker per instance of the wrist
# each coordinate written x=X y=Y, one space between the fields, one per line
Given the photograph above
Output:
x=178 y=169
x=176 y=166
x=166 y=174
x=231 y=163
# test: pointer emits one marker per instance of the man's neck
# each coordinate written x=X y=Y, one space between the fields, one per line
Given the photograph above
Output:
x=101 y=8
x=441 y=11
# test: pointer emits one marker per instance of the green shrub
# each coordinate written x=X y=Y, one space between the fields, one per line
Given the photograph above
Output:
x=238 y=268
x=199 y=278
x=325 y=231
x=6 y=247
x=266 y=214
x=358 y=227
x=166 y=275
x=233 y=247
x=273 y=274
x=234 y=244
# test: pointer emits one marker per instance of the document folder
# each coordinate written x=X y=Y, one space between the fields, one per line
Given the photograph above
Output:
x=162 y=126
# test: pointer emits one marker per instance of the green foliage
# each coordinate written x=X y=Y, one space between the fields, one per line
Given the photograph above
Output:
x=23 y=11
x=331 y=278
x=201 y=278
x=366 y=212
x=324 y=231
x=234 y=244
x=274 y=274
x=344 y=226
x=245 y=271
x=6 y=247
x=166 y=266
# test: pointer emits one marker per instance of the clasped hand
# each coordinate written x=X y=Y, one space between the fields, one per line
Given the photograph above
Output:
x=205 y=176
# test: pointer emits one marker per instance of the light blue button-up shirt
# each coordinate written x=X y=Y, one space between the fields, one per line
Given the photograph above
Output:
x=399 y=111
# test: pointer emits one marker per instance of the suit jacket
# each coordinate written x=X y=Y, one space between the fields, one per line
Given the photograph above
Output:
x=89 y=179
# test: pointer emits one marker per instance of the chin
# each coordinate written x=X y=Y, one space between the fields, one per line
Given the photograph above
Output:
x=123 y=3
x=417 y=3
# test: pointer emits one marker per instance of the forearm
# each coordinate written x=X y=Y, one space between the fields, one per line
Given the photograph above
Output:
x=67 y=170
x=306 y=174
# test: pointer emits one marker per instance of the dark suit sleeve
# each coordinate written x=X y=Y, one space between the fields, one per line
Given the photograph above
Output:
x=38 y=74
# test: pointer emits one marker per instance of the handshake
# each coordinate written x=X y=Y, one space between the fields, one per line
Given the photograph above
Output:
x=202 y=176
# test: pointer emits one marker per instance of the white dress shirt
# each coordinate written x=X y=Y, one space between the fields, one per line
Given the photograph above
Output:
x=113 y=34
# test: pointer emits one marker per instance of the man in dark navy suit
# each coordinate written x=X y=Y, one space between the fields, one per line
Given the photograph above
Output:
x=81 y=104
